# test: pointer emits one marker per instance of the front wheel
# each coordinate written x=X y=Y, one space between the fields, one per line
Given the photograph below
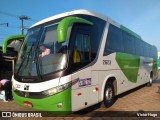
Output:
x=109 y=95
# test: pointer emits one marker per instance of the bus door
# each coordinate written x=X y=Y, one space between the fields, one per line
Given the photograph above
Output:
x=83 y=88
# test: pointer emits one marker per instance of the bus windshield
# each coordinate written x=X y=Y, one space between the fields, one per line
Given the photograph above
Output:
x=41 y=53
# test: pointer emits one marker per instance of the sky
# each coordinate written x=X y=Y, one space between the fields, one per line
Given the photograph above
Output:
x=140 y=16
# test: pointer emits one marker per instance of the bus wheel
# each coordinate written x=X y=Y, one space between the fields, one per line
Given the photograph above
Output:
x=109 y=95
x=149 y=84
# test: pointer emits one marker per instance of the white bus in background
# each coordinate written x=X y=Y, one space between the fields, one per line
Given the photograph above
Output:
x=91 y=59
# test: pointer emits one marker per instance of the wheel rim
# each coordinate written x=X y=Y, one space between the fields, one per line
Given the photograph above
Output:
x=109 y=93
x=150 y=80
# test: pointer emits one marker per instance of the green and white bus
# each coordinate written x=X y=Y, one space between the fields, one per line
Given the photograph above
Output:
x=91 y=59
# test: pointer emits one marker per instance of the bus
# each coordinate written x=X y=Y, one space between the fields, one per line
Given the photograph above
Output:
x=87 y=58
x=9 y=51
x=11 y=45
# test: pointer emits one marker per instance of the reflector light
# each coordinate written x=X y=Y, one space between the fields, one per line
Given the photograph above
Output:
x=96 y=89
x=79 y=94
x=28 y=104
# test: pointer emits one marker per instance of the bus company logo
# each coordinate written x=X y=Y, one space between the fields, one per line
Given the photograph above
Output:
x=26 y=87
x=18 y=86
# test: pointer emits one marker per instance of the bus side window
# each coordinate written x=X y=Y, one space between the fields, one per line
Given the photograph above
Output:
x=82 y=49
x=128 y=42
x=114 y=42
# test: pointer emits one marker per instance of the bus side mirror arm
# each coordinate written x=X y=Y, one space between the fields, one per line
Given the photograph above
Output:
x=65 y=23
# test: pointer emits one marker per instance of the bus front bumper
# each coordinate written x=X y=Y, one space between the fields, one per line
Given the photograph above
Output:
x=58 y=102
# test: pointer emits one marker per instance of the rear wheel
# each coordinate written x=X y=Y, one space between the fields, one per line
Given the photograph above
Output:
x=109 y=95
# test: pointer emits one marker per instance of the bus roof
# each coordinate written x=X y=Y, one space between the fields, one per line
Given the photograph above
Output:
x=87 y=12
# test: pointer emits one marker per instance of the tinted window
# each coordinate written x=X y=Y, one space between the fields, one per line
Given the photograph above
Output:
x=121 y=41
x=96 y=32
x=128 y=41
x=114 y=42
x=138 y=47
x=146 y=49
x=91 y=32
x=153 y=52
x=82 y=48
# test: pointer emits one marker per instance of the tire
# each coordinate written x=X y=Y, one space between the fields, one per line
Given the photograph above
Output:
x=109 y=95
x=149 y=84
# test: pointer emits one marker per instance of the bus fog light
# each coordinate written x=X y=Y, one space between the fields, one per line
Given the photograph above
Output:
x=59 y=105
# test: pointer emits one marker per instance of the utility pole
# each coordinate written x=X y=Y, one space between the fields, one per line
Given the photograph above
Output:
x=22 y=25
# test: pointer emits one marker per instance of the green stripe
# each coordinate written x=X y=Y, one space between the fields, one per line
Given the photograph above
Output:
x=129 y=64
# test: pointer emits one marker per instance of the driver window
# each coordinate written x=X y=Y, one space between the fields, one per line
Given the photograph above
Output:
x=82 y=49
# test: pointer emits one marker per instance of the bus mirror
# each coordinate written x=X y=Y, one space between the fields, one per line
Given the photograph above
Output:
x=65 y=23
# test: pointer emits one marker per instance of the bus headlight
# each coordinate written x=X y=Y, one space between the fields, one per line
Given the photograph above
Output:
x=13 y=88
x=57 y=89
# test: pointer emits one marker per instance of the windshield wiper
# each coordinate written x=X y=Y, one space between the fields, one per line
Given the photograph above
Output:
x=25 y=57
x=37 y=63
